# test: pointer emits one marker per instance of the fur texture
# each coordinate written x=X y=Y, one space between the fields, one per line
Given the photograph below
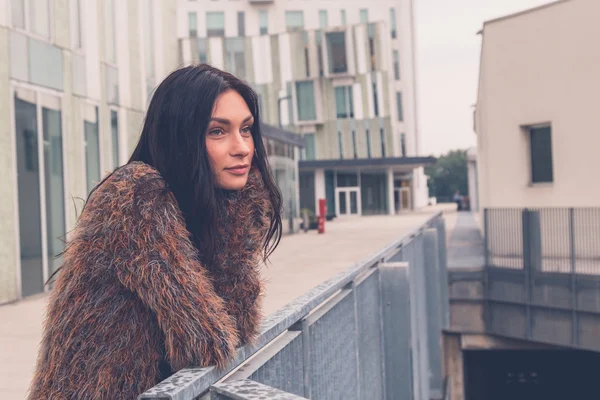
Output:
x=132 y=295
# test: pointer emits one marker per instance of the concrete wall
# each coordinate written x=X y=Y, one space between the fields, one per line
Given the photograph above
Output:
x=540 y=67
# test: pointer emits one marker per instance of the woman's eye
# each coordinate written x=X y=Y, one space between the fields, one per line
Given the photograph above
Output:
x=247 y=130
x=215 y=132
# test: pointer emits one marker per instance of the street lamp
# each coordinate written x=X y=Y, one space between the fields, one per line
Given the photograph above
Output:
x=279 y=108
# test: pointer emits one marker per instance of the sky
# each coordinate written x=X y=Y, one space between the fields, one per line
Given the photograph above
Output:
x=448 y=50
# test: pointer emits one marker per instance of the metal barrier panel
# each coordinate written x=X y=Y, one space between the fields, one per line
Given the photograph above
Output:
x=334 y=356
x=370 y=338
x=443 y=272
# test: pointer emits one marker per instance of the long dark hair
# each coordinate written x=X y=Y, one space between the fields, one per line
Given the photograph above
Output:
x=173 y=142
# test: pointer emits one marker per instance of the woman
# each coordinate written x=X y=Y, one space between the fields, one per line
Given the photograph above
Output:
x=162 y=269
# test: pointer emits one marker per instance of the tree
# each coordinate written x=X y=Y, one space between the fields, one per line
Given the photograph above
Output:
x=448 y=175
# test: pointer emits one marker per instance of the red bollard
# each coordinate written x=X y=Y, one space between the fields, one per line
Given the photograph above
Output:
x=322 y=214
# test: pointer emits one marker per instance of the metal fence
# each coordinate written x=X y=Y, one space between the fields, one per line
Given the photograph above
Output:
x=542 y=276
x=371 y=332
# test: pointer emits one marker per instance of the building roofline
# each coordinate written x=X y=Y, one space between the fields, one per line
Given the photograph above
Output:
x=368 y=162
x=281 y=135
x=520 y=13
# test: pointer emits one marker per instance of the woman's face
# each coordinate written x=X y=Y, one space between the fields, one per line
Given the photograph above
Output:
x=229 y=141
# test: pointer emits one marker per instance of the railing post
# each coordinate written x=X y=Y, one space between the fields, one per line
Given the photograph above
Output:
x=443 y=272
x=433 y=311
x=574 y=305
x=303 y=326
x=487 y=312
x=486 y=237
x=527 y=270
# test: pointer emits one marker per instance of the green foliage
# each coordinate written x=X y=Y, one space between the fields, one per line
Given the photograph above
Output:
x=447 y=175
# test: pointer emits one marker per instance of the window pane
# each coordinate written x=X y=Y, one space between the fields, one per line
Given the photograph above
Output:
x=336 y=51
x=399 y=106
x=340 y=145
x=110 y=48
x=364 y=16
x=263 y=18
x=92 y=146
x=215 y=24
x=305 y=96
x=368 y=134
x=347 y=179
x=202 y=49
x=342 y=200
x=340 y=102
x=114 y=130
x=354 y=144
x=354 y=202
x=241 y=20
x=76 y=23
x=393 y=22
x=396 y=65
x=17 y=11
x=112 y=85
x=39 y=17
x=19 y=56
x=192 y=24
x=28 y=175
x=382 y=135
x=53 y=179
x=323 y=19
x=309 y=142
x=403 y=144
x=375 y=99
x=541 y=155
x=235 y=56
x=343 y=16
x=294 y=20
x=148 y=26
x=45 y=64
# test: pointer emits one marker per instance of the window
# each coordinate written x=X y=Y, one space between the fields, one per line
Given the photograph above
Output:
x=235 y=56
x=193 y=24
x=92 y=146
x=396 y=65
x=371 y=31
x=336 y=52
x=368 y=133
x=294 y=20
x=364 y=16
x=343 y=17
x=112 y=85
x=343 y=102
x=17 y=12
x=393 y=26
x=375 y=99
x=354 y=143
x=215 y=24
x=263 y=18
x=114 y=131
x=39 y=16
x=323 y=19
x=76 y=37
x=540 y=141
x=341 y=145
x=202 y=49
x=241 y=20
x=403 y=144
x=309 y=150
x=305 y=98
x=382 y=135
x=110 y=54
x=399 y=106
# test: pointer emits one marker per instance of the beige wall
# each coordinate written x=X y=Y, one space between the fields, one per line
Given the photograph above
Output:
x=538 y=67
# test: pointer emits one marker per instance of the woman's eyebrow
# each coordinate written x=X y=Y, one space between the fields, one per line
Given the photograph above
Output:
x=225 y=121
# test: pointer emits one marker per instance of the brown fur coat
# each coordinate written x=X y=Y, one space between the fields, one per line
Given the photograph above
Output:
x=132 y=296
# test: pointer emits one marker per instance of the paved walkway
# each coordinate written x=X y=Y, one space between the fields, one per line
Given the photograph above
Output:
x=301 y=262
x=465 y=244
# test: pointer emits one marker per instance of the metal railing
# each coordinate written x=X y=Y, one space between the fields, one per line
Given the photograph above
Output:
x=541 y=280
x=371 y=332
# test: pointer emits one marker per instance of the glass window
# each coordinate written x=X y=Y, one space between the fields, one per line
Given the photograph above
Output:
x=28 y=176
x=241 y=20
x=215 y=23
x=540 y=141
x=340 y=144
x=373 y=193
x=263 y=18
x=344 y=102
x=92 y=146
x=403 y=144
x=309 y=149
x=396 y=65
x=235 y=56
x=305 y=97
x=399 y=106
x=17 y=12
x=364 y=16
x=19 y=56
x=202 y=49
x=347 y=179
x=53 y=179
x=192 y=24
x=39 y=17
x=336 y=51
x=114 y=132
x=382 y=135
x=109 y=25
x=306 y=53
x=393 y=22
x=294 y=20
x=45 y=64
x=354 y=143
x=76 y=36
x=290 y=103
x=112 y=85
x=375 y=99
x=323 y=19
x=368 y=134
x=343 y=16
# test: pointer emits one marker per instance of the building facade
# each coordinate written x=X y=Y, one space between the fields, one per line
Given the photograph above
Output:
x=339 y=73
x=536 y=108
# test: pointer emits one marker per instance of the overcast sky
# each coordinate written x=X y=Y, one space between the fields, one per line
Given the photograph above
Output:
x=448 y=66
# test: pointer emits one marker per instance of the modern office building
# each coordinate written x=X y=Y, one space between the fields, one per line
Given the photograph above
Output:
x=341 y=74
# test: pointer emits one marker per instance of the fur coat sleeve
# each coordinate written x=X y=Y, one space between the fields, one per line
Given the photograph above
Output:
x=131 y=292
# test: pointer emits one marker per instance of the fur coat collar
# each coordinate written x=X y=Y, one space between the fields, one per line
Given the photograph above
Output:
x=132 y=301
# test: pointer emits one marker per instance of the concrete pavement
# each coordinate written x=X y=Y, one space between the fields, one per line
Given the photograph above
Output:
x=301 y=262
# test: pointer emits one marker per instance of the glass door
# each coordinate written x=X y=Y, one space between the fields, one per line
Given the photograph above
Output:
x=348 y=201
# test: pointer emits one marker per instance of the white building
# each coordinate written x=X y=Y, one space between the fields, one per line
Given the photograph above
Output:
x=339 y=72
x=537 y=106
